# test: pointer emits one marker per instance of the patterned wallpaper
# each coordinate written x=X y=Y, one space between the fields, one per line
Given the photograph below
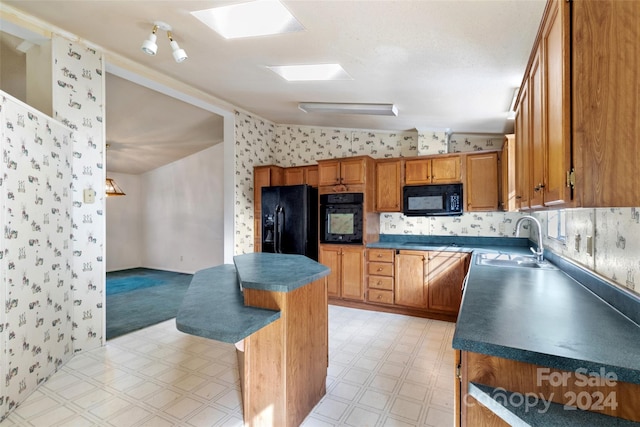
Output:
x=35 y=249
x=78 y=102
x=260 y=142
x=616 y=254
x=463 y=142
x=52 y=246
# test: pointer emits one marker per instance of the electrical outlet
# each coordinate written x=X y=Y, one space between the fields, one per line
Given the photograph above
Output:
x=590 y=245
x=577 y=243
x=501 y=228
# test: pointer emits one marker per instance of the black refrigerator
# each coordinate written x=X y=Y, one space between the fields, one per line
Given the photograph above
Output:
x=290 y=220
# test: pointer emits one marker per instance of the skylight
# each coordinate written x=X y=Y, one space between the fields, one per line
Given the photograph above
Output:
x=250 y=19
x=311 y=72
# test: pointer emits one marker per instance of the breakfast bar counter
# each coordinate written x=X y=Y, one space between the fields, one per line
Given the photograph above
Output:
x=274 y=307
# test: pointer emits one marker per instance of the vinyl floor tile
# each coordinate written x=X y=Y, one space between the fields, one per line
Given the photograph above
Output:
x=384 y=370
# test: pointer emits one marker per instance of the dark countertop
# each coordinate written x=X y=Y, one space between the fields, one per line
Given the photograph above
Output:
x=213 y=306
x=542 y=317
x=277 y=272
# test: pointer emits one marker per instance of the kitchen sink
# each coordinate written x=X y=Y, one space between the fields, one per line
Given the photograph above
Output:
x=513 y=261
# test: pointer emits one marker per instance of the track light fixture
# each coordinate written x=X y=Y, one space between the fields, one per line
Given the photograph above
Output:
x=178 y=54
x=150 y=47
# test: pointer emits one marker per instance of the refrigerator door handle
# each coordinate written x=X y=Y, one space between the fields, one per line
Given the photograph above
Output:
x=279 y=223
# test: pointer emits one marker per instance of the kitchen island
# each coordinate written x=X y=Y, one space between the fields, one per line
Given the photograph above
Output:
x=274 y=308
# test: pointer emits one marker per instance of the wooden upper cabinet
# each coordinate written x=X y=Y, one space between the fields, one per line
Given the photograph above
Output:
x=298 y=175
x=555 y=57
x=352 y=171
x=329 y=172
x=522 y=149
x=482 y=182
x=537 y=134
x=263 y=176
x=312 y=175
x=605 y=101
x=508 y=174
x=388 y=185
x=437 y=170
x=543 y=128
x=346 y=171
x=294 y=176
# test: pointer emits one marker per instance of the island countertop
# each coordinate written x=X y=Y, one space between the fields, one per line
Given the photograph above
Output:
x=213 y=306
x=277 y=272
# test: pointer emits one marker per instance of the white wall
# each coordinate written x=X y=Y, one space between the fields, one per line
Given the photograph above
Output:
x=182 y=213
x=124 y=224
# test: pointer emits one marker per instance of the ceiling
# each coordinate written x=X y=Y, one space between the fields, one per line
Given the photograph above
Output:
x=445 y=64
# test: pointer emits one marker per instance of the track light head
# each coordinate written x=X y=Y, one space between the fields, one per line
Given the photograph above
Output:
x=178 y=54
x=149 y=46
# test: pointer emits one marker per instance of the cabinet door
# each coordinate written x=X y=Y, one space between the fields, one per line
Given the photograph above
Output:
x=482 y=182
x=312 y=176
x=417 y=171
x=410 y=279
x=445 y=275
x=537 y=184
x=330 y=257
x=388 y=186
x=353 y=273
x=522 y=149
x=508 y=174
x=445 y=170
x=294 y=176
x=555 y=40
x=263 y=176
x=352 y=171
x=329 y=172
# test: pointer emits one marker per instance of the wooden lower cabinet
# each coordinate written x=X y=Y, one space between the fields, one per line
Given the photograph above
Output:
x=498 y=376
x=445 y=276
x=410 y=269
x=346 y=279
x=430 y=280
x=418 y=283
x=380 y=276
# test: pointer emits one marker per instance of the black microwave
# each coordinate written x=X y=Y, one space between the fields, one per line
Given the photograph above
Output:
x=432 y=200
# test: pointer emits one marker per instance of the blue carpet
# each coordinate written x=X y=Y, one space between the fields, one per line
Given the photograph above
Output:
x=141 y=297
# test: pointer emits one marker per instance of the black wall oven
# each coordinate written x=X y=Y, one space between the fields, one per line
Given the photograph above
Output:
x=432 y=200
x=341 y=218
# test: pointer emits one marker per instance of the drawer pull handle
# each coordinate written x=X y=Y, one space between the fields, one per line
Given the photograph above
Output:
x=379 y=255
x=379 y=268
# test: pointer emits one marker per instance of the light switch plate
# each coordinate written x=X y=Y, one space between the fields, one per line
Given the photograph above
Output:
x=590 y=245
x=89 y=195
x=577 y=243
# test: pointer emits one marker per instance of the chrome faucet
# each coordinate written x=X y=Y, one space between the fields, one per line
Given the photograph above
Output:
x=540 y=252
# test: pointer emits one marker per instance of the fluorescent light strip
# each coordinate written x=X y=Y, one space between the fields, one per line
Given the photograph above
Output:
x=349 y=108
x=250 y=19
x=313 y=72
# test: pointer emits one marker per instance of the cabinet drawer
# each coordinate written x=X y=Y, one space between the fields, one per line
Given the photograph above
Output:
x=385 y=297
x=381 y=269
x=380 y=255
x=380 y=282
